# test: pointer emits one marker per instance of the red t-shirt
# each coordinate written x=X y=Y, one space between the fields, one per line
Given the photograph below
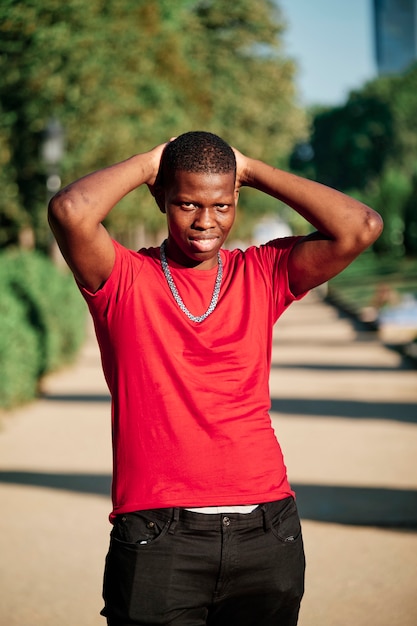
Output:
x=190 y=400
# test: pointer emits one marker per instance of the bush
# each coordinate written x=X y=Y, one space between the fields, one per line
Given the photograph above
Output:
x=48 y=309
x=19 y=353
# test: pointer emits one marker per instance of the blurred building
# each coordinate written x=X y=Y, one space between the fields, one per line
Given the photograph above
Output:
x=395 y=27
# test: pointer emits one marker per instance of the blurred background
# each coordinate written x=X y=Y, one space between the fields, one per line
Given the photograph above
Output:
x=324 y=89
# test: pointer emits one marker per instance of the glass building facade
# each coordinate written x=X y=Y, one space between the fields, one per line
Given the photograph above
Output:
x=395 y=23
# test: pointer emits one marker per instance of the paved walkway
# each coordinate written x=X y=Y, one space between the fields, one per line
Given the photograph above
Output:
x=345 y=410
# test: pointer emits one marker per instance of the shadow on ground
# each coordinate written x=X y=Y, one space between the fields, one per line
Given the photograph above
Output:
x=353 y=409
x=76 y=397
x=335 y=367
x=362 y=506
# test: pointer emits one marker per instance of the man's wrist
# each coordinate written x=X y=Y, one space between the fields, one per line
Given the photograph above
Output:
x=249 y=172
x=144 y=167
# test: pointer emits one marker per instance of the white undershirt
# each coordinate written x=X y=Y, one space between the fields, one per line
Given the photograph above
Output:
x=211 y=510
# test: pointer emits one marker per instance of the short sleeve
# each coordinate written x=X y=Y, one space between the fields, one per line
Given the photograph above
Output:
x=126 y=268
x=275 y=254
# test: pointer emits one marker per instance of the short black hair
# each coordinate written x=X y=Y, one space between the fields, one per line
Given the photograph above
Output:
x=199 y=152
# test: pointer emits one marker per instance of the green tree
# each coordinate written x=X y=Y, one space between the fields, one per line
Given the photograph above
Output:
x=410 y=219
x=388 y=196
x=123 y=75
x=351 y=143
x=249 y=82
x=368 y=147
x=399 y=93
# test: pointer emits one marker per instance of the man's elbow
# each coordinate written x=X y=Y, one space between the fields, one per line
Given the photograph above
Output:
x=372 y=228
x=62 y=210
x=360 y=236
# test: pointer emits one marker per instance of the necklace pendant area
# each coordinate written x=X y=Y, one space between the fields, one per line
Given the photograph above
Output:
x=176 y=295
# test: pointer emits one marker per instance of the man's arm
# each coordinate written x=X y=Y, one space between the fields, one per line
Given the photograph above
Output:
x=344 y=226
x=76 y=213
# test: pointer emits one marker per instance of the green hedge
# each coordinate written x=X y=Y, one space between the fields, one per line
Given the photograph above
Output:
x=42 y=323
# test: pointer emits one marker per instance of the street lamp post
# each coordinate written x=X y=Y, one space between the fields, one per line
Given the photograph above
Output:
x=52 y=151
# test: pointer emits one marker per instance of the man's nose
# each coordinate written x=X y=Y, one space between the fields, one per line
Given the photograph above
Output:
x=204 y=218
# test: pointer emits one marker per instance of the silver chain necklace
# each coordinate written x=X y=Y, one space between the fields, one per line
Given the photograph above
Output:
x=177 y=297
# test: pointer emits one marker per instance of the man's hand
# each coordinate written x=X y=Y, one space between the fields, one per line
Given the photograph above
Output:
x=155 y=156
x=242 y=169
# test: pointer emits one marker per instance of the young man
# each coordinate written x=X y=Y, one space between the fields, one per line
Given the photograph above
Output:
x=206 y=529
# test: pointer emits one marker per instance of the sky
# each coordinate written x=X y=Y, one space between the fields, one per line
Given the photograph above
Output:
x=332 y=43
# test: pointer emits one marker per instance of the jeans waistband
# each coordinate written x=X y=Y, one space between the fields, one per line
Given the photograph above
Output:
x=261 y=516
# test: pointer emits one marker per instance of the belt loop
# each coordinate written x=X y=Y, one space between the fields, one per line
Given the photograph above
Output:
x=267 y=521
x=174 y=520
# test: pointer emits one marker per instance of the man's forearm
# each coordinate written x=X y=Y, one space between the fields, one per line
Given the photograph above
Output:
x=93 y=196
x=331 y=212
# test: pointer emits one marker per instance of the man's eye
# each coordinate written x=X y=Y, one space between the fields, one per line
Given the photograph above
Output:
x=222 y=207
x=187 y=205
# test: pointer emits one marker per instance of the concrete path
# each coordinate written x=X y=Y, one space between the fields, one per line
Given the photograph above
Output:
x=345 y=411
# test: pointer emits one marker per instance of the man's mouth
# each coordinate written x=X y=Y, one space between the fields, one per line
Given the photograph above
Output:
x=204 y=244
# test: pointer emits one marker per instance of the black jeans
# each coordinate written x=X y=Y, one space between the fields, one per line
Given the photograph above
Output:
x=172 y=566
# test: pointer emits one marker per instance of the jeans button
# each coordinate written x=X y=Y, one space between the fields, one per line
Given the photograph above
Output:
x=226 y=521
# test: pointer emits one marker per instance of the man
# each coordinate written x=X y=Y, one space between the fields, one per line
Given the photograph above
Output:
x=206 y=529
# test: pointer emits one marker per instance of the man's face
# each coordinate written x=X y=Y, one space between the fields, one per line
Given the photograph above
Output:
x=200 y=210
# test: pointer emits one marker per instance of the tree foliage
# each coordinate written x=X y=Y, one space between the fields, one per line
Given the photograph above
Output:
x=124 y=75
x=368 y=147
x=388 y=196
x=351 y=143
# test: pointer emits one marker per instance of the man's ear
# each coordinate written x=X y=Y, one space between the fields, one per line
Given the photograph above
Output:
x=236 y=196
